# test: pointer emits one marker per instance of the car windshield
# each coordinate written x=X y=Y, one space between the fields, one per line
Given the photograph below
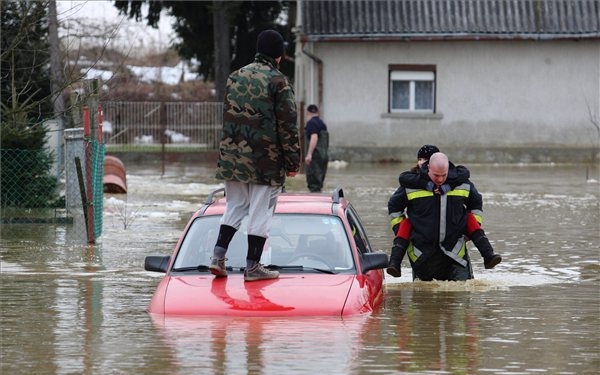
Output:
x=307 y=240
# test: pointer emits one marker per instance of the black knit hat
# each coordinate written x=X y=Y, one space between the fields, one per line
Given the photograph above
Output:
x=426 y=151
x=312 y=108
x=270 y=43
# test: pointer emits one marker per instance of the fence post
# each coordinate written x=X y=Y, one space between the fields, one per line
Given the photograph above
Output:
x=84 y=201
x=54 y=144
x=74 y=148
x=100 y=123
x=163 y=136
x=92 y=87
x=89 y=207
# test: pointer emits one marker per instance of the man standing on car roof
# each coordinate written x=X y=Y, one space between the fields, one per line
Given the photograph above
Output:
x=258 y=149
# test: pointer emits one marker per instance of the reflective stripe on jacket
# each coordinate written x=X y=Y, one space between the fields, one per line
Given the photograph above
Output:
x=438 y=221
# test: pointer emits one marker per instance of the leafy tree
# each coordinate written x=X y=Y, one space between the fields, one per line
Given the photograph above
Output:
x=24 y=60
x=25 y=100
x=203 y=26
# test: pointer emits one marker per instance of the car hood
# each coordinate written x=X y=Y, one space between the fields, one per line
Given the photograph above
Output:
x=288 y=295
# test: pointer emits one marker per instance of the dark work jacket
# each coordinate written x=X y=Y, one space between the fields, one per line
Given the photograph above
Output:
x=418 y=178
x=438 y=222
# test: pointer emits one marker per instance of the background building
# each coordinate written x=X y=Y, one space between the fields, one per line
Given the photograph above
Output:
x=486 y=80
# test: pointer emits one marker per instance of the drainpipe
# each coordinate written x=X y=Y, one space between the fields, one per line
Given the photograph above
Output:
x=319 y=72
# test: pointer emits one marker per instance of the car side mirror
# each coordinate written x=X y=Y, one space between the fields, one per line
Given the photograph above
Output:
x=157 y=263
x=373 y=261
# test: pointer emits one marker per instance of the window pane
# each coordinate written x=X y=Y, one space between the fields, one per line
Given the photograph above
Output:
x=406 y=75
x=400 y=94
x=423 y=95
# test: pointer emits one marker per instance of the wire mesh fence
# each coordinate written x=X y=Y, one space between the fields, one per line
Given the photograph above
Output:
x=68 y=187
x=84 y=183
x=28 y=191
x=98 y=150
x=31 y=193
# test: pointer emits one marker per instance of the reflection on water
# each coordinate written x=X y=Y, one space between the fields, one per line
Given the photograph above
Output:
x=70 y=308
x=263 y=345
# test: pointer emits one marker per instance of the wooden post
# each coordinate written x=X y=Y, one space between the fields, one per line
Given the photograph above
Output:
x=88 y=175
x=84 y=201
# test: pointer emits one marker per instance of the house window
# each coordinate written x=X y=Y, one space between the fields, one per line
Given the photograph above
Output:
x=412 y=88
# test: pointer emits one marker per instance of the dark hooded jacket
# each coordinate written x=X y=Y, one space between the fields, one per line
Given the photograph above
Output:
x=418 y=178
x=438 y=221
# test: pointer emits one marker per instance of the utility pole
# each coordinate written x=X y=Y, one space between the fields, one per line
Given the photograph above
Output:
x=57 y=77
x=222 y=47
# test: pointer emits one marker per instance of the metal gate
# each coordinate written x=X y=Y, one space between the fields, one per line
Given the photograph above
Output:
x=147 y=126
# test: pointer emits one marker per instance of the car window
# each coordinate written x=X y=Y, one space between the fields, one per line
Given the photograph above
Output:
x=358 y=232
x=317 y=241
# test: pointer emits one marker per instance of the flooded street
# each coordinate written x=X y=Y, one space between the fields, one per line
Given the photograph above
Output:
x=69 y=308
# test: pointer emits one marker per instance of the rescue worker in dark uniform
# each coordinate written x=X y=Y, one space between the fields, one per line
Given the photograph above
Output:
x=439 y=217
x=317 y=146
x=417 y=178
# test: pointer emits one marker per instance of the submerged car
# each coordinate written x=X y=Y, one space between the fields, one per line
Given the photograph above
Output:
x=316 y=242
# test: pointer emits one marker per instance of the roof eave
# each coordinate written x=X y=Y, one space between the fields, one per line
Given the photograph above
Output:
x=443 y=37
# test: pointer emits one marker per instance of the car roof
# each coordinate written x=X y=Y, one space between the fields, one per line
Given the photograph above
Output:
x=309 y=203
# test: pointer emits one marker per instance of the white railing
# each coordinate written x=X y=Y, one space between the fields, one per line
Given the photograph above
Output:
x=147 y=125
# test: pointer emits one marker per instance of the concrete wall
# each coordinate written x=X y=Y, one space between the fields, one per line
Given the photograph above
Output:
x=490 y=94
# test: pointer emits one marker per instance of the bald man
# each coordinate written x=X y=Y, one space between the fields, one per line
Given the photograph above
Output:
x=437 y=249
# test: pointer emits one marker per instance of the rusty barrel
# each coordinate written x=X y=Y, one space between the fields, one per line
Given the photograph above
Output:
x=115 y=180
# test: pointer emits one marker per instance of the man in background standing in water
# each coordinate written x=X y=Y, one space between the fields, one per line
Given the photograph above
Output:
x=317 y=141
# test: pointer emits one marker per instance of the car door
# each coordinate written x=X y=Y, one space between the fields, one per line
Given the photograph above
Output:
x=372 y=280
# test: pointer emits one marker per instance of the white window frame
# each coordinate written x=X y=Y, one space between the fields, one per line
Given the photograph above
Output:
x=412 y=74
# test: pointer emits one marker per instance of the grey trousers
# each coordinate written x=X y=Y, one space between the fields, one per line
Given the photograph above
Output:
x=256 y=201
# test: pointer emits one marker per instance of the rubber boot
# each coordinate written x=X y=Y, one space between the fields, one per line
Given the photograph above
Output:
x=490 y=259
x=398 y=251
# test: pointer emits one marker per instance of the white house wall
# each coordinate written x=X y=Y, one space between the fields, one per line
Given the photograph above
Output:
x=489 y=93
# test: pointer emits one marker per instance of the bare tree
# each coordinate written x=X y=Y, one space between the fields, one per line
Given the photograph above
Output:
x=594 y=119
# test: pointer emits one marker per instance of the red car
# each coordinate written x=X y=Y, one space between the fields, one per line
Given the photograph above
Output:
x=316 y=242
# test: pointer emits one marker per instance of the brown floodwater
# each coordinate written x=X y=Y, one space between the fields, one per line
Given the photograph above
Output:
x=71 y=308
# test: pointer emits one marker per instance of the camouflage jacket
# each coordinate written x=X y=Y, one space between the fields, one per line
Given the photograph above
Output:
x=260 y=136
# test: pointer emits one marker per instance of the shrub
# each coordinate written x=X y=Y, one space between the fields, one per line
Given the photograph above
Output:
x=25 y=167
